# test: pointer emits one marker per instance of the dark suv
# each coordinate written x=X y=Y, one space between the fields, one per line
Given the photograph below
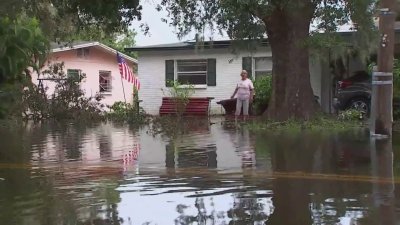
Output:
x=354 y=93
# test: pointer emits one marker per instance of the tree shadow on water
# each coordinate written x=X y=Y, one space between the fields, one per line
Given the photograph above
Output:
x=246 y=209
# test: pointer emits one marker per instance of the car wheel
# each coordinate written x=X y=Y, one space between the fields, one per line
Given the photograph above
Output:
x=360 y=104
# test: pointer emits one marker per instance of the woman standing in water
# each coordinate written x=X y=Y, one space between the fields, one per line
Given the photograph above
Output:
x=245 y=92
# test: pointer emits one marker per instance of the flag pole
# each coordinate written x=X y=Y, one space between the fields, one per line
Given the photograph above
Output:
x=123 y=89
x=122 y=82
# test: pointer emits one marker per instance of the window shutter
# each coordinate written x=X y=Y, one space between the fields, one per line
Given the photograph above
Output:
x=211 y=72
x=247 y=65
x=169 y=72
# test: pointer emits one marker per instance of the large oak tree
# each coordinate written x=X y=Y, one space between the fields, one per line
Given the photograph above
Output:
x=286 y=23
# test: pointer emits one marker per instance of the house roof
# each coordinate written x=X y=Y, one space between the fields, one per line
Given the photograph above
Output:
x=189 y=45
x=60 y=47
x=212 y=44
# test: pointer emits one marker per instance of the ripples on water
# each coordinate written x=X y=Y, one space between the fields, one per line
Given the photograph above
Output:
x=212 y=174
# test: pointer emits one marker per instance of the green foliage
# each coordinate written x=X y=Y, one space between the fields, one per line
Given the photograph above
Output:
x=320 y=123
x=249 y=20
x=180 y=94
x=396 y=78
x=68 y=102
x=22 y=45
x=35 y=103
x=60 y=19
x=263 y=92
x=332 y=14
x=351 y=115
x=396 y=88
x=117 y=40
x=10 y=100
x=126 y=112
x=124 y=40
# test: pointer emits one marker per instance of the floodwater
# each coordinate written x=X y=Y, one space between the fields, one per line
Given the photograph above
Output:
x=211 y=173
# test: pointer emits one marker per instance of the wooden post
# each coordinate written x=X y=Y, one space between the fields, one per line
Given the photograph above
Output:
x=382 y=80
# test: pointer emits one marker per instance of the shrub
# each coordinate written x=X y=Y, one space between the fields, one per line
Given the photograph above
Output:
x=67 y=102
x=351 y=115
x=180 y=94
x=263 y=91
x=35 y=103
x=126 y=112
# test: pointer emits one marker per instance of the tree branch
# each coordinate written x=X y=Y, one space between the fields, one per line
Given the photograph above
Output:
x=258 y=12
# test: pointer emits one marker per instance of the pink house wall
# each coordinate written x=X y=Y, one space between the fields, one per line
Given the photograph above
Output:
x=98 y=60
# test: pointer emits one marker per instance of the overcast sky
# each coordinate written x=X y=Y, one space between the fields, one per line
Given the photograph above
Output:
x=160 y=32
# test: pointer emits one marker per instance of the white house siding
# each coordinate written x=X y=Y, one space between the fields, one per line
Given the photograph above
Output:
x=151 y=70
x=97 y=60
x=315 y=76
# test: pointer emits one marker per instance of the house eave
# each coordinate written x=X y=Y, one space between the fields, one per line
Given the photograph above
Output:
x=94 y=44
x=190 y=46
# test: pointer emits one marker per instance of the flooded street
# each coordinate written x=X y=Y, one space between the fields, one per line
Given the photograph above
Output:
x=212 y=173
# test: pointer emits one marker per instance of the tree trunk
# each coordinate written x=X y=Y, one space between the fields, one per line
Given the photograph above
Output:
x=288 y=30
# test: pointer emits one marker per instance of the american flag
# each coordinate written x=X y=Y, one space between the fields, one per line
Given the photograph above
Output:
x=131 y=157
x=127 y=73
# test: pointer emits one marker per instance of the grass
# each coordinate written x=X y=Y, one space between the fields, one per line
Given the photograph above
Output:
x=320 y=123
x=173 y=126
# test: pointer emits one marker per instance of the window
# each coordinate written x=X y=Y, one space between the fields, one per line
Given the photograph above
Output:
x=262 y=66
x=105 y=81
x=192 y=71
x=82 y=52
x=74 y=74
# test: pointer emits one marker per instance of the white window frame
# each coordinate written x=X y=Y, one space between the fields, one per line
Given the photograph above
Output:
x=110 y=88
x=197 y=86
x=253 y=65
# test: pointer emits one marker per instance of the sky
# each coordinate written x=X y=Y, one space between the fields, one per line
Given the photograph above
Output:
x=160 y=32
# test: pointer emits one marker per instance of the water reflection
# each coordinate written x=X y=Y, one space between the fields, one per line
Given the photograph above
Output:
x=210 y=174
x=383 y=192
x=105 y=147
x=244 y=147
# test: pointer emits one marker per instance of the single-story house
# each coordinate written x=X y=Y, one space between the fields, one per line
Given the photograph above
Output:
x=99 y=64
x=211 y=67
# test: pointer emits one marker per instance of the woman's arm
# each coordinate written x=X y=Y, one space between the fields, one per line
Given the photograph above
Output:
x=234 y=93
x=252 y=95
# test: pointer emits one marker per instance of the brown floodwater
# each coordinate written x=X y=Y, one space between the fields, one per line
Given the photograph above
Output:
x=208 y=173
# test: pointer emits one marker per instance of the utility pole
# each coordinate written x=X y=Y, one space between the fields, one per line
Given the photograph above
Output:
x=382 y=79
